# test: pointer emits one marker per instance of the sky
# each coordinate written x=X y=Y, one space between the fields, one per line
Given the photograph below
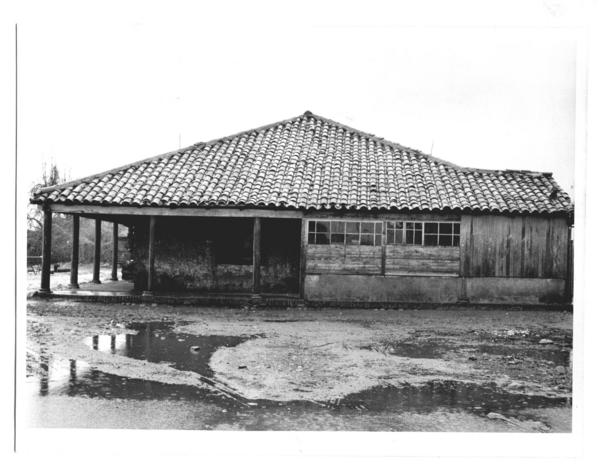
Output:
x=105 y=90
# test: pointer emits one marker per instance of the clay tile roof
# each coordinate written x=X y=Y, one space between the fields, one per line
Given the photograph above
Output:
x=310 y=162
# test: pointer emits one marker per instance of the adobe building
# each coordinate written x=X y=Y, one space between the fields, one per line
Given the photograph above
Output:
x=316 y=210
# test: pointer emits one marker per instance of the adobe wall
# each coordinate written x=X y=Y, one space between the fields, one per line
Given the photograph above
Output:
x=186 y=256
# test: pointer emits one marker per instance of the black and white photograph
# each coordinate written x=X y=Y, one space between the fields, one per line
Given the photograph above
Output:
x=238 y=217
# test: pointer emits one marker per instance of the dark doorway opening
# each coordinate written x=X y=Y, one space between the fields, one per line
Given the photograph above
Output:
x=280 y=256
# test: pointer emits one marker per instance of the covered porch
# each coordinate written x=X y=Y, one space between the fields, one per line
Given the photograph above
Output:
x=186 y=253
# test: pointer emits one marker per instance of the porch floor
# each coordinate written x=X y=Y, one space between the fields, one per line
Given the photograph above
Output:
x=122 y=291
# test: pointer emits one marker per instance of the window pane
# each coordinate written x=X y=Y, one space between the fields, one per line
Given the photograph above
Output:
x=337 y=227
x=312 y=237
x=337 y=238
x=323 y=239
x=378 y=240
x=410 y=226
x=430 y=240
x=312 y=227
x=418 y=237
x=367 y=228
x=456 y=240
x=323 y=226
x=366 y=239
x=457 y=228
x=352 y=227
x=445 y=228
x=445 y=240
x=410 y=237
x=391 y=225
x=390 y=236
x=418 y=226
x=352 y=239
x=431 y=228
x=378 y=227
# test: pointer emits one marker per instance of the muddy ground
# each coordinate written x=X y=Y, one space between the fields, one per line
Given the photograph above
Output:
x=149 y=366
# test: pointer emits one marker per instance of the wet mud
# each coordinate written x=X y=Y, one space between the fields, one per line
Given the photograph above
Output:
x=437 y=384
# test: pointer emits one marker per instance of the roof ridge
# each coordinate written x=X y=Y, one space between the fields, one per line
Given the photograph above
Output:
x=426 y=155
x=384 y=141
x=249 y=131
x=306 y=114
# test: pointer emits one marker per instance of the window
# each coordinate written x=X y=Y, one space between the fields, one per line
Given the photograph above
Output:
x=370 y=233
x=345 y=233
x=414 y=233
x=442 y=234
x=395 y=232
x=423 y=233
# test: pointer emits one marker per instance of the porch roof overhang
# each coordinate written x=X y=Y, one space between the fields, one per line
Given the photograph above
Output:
x=95 y=210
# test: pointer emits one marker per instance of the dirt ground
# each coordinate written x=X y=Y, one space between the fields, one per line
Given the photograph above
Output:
x=298 y=369
x=60 y=280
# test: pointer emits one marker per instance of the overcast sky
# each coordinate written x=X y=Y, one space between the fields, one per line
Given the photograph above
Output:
x=98 y=91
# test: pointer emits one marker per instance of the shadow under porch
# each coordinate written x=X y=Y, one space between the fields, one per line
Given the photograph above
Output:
x=189 y=257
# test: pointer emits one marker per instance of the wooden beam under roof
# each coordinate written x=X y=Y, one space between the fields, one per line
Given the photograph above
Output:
x=158 y=211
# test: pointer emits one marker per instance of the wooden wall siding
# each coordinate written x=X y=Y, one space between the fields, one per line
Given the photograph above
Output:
x=403 y=259
x=341 y=259
x=520 y=246
x=399 y=259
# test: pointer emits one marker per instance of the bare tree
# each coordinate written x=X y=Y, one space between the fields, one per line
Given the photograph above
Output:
x=51 y=175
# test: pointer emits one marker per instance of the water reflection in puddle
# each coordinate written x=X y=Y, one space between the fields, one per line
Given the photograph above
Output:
x=479 y=399
x=158 y=343
x=75 y=378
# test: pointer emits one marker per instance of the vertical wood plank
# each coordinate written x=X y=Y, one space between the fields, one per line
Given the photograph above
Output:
x=569 y=269
x=465 y=255
x=46 y=251
x=383 y=247
x=75 y=254
x=508 y=252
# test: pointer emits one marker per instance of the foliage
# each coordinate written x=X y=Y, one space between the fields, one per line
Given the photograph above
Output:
x=62 y=228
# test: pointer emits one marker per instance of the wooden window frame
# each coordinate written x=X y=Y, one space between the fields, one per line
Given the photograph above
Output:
x=376 y=237
x=454 y=234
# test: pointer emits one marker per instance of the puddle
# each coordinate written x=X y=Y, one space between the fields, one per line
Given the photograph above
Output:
x=48 y=376
x=478 y=399
x=432 y=350
x=555 y=355
x=76 y=378
x=156 y=342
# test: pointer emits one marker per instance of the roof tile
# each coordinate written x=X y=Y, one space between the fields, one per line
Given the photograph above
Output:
x=311 y=162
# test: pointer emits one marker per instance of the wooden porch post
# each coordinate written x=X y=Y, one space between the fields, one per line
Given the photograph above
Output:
x=46 y=251
x=150 y=285
x=115 y=251
x=97 y=243
x=75 y=253
x=256 y=255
